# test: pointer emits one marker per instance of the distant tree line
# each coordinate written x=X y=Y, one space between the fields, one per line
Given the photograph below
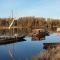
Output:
x=26 y=24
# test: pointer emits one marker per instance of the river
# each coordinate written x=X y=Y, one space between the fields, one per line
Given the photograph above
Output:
x=25 y=50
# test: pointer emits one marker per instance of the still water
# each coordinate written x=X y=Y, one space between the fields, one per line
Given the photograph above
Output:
x=25 y=50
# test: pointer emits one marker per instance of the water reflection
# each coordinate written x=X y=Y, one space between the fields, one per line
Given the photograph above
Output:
x=38 y=38
x=26 y=49
x=22 y=50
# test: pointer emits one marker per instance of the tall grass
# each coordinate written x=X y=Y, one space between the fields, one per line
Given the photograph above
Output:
x=51 y=54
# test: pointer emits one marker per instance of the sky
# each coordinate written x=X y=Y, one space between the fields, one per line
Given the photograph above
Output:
x=21 y=8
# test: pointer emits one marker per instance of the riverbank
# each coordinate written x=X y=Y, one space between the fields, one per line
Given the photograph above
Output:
x=51 y=54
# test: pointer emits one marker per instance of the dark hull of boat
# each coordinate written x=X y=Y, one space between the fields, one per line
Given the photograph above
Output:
x=11 y=40
x=39 y=36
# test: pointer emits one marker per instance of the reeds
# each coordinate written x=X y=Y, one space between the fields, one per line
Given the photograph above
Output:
x=52 y=54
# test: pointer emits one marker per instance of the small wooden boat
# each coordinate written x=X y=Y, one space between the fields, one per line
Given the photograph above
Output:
x=39 y=34
x=7 y=40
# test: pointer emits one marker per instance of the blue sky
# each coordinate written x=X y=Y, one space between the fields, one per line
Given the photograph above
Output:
x=42 y=8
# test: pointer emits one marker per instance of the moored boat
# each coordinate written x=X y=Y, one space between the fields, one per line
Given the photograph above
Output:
x=10 y=39
x=39 y=34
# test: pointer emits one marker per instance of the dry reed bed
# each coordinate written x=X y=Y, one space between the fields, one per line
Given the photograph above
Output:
x=50 y=54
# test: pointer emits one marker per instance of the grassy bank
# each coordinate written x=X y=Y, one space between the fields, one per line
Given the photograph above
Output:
x=51 y=54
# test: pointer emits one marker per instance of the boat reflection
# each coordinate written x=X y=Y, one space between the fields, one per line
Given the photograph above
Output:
x=37 y=38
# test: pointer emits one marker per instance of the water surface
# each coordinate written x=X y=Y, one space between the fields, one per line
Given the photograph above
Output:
x=25 y=50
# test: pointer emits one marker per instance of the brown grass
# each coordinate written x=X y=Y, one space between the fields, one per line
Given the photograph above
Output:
x=52 y=54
